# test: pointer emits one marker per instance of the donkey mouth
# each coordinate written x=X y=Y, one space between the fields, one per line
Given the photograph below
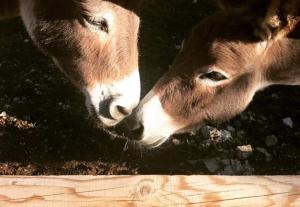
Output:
x=104 y=110
x=100 y=121
x=153 y=145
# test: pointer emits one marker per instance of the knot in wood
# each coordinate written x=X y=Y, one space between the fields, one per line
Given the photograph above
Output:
x=144 y=189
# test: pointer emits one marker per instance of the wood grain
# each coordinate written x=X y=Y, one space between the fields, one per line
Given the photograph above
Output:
x=89 y=191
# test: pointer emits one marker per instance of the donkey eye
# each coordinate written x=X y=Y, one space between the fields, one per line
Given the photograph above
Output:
x=100 y=23
x=214 y=76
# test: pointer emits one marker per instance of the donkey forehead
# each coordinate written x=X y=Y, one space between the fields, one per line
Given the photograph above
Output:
x=118 y=17
x=234 y=56
x=221 y=56
x=215 y=50
x=83 y=51
x=100 y=7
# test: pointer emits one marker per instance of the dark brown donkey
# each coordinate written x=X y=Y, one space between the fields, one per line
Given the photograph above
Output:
x=94 y=42
x=246 y=47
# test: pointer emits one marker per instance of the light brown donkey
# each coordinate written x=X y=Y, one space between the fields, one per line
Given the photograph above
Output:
x=230 y=55
x=94 y=42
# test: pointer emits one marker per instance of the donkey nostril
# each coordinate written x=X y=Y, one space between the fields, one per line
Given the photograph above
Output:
x=137 y=132
x=123 y=110
x=104 y=109
x=108 y=109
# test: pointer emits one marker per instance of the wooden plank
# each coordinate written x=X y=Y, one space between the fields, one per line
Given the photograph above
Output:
x=89 y=191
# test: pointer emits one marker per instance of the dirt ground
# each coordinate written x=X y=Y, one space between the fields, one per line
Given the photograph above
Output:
x=44 y=130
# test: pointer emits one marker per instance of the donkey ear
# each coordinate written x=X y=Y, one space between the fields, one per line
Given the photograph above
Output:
x=280 y=19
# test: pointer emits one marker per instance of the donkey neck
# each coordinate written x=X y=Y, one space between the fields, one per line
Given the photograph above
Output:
x=282 y=62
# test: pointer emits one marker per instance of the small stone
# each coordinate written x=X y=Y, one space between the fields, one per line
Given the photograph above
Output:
x=251 y=116
x=192 y=133
x=3 y=114
x=28 y=80
x=226 y=135
x=193 y=162
x=206 y=143
x=66 y=106
x=244 y=116
x=215 y=135
x=228 y=170
x=244 y=151
x=37 y=92
x=275 y=96
x=213 y=165
x=288 y=122
x=249 y=170
x=176 y=142
x=263 y=118
x=26 y=117
x=236 y=166
x=226 y=162
x=241 y=134
x=230 y=128
x=237 y=124
x=268 y=156
x=177 y=47
x=205 y=131
x=271 y=140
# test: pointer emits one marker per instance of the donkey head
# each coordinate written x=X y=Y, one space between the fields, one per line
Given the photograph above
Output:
x=223 y=62
x=94 y=42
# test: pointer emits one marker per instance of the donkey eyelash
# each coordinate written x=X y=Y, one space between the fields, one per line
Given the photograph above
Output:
x=100 y=23
x=213 y=76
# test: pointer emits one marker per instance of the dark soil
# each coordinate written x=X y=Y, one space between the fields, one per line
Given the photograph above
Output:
x=45 y=130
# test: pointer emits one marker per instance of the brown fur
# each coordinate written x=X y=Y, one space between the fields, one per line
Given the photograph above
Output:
x=60 y=33
x=94 y=42
x=229 y=41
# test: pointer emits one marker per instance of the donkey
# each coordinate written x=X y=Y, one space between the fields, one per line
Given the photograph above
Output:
x=230 y=55
x=94 y=43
